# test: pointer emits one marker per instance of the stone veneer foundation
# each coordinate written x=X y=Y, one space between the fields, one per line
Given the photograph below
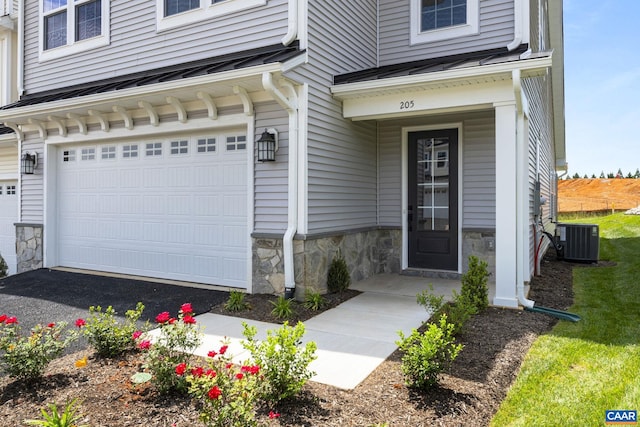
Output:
x=367 y=252
x=28 y=247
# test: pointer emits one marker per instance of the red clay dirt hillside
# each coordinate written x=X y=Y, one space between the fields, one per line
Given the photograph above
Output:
x=600 y=194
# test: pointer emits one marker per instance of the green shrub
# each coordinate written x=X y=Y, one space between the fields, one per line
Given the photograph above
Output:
x=459 y=311
x=431 y=302
x=338 y=278
x=474 y=284
x=314 y=301
x=283 y=360
x=236 y=302
x=25 y=357
x=3 y=267
x=226 y=392
x=106 y=335
x=176 y=344
x=428 y=354
x=66 y=418
x=282 y=308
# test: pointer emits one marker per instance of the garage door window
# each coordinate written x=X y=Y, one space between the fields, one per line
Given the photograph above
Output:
x=129 y=151
x=236 y=143
x=10 y=190
x=180 y=147
x=154 y=149
x=109 y=152
x=69 y=156
x=206 y=145
x=88 y=154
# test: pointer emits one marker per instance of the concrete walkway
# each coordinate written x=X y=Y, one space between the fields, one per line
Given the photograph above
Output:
x=354 y=337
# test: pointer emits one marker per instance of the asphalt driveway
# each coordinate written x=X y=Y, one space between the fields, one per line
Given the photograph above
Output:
x=44 y=296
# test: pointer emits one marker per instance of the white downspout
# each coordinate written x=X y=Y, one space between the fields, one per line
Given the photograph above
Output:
x=292 y=31
x=518 y=24
x=20 y=70
x=291 y=106
x=521 y=201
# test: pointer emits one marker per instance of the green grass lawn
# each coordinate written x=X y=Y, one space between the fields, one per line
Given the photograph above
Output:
x=572 y=375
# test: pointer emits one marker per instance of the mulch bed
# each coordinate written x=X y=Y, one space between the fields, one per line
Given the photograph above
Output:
x=495 y=341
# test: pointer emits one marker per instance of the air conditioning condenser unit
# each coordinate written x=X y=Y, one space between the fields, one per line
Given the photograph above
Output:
x=581 y=242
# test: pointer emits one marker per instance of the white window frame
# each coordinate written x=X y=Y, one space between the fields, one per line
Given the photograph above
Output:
x=470 y=28
x=206 y=10
x=72 y=45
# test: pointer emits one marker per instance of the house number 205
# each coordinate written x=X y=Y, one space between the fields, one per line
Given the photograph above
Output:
x=405 y=105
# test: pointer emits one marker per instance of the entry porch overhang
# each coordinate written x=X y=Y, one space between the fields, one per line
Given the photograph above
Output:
x=459 y=88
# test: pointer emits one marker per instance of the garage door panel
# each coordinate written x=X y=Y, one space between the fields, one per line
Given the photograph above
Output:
x=157 y=216
x=8 y=217
x=129 y=178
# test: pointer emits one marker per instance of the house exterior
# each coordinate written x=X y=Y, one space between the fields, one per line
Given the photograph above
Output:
x=8 y=141
x=410 y=135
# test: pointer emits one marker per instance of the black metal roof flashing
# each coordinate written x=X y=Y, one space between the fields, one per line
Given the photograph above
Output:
x=228 y=62
x=431 y=65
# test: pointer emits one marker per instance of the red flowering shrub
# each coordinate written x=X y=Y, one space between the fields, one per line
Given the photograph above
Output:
x=26 y=356
x=227 y=393
x=169 y=352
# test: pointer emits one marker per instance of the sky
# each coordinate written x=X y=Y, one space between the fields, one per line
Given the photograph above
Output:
x=602 y=85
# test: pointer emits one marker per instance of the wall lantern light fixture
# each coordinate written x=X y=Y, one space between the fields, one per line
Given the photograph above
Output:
x=267 y=145
x=29 y=162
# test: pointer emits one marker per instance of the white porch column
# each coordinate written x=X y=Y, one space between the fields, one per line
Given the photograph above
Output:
x=506 y=205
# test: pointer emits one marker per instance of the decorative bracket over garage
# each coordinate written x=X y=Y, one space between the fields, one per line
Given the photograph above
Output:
x=151 y=102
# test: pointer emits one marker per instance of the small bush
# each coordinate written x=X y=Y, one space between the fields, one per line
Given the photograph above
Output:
x=3 y=267
x=430 y=301
x=226 y=393
x=282 y=308
x=106 y=335
x=338 y=278
x=459 y=311
x=25 y=357
x=314 y=301
x=178 y=340
x=474 y=284
x=428 y=354
x=66 y=418
x=236 y=302
x=283 y=360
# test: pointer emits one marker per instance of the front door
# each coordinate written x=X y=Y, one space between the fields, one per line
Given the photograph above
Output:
x=433 y=199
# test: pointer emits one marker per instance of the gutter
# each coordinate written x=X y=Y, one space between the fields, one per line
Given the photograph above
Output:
x=291 y=106
x=292 y=30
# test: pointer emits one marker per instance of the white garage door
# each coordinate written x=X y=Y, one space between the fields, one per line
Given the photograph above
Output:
x=8 y=217
x=174 y=208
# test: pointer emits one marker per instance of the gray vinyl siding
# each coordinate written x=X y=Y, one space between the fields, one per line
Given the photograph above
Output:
x=8 y=161
x=479 y=173
x=271 y=178
x=496 y=30
x=136 y=46
x=478 y=168
x=541 y=159
x=341 y=154
x=32 y=191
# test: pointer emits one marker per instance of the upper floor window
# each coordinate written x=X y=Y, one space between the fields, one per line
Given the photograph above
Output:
x=433 y=20
x=70 y=26
x=175 y=13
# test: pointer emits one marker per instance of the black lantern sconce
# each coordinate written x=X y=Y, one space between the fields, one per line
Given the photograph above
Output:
x=29 y=162
x=267 y=145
